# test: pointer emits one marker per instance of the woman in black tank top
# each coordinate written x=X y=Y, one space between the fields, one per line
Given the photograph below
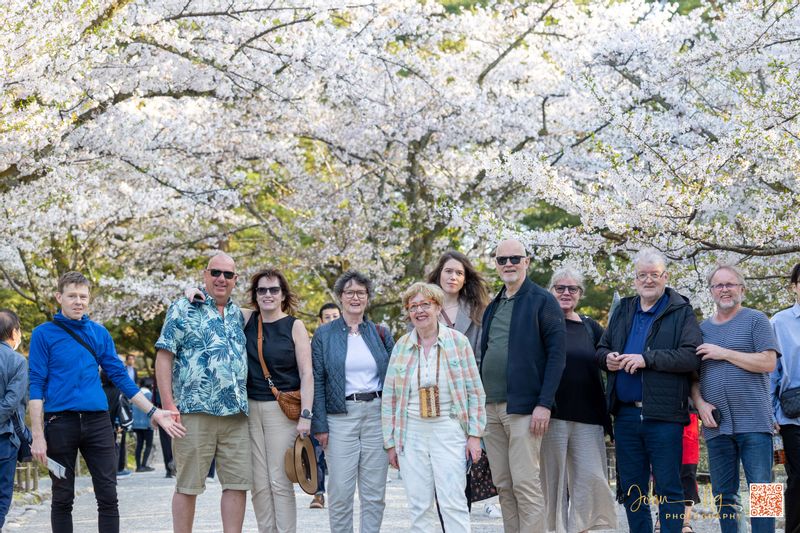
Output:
x=286 y=350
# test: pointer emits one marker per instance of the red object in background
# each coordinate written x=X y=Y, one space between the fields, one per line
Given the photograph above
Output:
x=691 y=441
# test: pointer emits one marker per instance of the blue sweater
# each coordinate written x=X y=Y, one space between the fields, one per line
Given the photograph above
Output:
x=64 y=374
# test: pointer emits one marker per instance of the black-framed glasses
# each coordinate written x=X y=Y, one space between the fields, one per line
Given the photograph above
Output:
x=503 y=259
x=215 y=273
x=350 y=294
x=572 y=289
x=262 y=291
x=727 y=286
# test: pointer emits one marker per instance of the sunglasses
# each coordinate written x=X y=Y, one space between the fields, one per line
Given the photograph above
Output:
x=215 y=273
x=261 y=291
x=515 y=259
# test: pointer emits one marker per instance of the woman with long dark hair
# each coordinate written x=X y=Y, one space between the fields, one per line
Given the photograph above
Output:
x=465 y=296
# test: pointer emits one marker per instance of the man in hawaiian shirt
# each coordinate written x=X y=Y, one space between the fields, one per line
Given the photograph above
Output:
x=202 y=374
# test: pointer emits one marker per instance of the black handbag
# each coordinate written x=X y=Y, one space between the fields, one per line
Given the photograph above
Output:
x=790 y=402
x=481 y=486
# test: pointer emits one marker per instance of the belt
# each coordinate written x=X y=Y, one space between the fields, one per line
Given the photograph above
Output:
x=631 y=404
x=364 y=396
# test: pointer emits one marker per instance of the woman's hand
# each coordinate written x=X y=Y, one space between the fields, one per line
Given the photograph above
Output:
x=303 y=426
x=193 y=293
x=474 y=448
x=323 y=440
x=393 y=462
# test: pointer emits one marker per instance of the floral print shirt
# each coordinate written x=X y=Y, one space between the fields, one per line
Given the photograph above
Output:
x=209 y=369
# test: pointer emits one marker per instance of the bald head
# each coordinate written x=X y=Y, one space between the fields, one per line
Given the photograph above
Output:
x=222 y=261
x=510 y=247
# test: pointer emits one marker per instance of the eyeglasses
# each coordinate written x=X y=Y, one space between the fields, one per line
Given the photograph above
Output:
x=215 y=273
x=422 y=306
x=572 y=289
x=515 y=259
x=355 y=294
x=262 y=291
x=643 y=276
x=727 y=286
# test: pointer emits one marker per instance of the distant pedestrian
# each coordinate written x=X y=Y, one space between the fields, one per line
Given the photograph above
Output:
x=144 y=433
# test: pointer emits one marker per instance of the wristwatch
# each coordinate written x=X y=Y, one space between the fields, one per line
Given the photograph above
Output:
x=308 y=415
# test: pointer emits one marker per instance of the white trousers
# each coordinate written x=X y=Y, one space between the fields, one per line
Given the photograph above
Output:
x=434 y=459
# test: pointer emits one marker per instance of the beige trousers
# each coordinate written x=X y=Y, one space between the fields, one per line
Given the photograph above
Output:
x=271 y=433
x=513 y=454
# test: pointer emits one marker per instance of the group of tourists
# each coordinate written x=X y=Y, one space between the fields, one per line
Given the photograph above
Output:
x=517 y=379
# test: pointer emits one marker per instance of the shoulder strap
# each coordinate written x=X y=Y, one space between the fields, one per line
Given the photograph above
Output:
x=272 y=387
x=589 y=329
x=380 y=333
x=78 y=339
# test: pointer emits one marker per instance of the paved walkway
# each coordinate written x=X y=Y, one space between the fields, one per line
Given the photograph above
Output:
x=145 y=508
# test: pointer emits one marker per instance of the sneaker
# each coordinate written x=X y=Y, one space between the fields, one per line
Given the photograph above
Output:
x=169 y=474
x=145 y=469
x=318 y=502
x=493 y=511
x=123 y=473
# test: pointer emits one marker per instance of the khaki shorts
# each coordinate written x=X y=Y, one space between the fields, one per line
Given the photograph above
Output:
x=207 y=436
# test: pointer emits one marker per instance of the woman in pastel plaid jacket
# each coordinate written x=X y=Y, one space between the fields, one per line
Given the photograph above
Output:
x=432 y=452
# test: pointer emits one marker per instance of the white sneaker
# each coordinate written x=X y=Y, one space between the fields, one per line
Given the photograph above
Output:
x=492 y=510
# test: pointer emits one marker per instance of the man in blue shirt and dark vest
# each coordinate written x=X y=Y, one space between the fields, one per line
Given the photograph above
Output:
x=649 y=353
x=69 y=410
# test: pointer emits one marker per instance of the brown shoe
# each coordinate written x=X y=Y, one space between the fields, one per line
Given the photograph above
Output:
x=318 y=502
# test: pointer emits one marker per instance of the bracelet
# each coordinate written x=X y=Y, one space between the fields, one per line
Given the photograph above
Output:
x=152 y=411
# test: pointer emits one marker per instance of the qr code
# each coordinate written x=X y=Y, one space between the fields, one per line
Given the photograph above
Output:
x=766 y=500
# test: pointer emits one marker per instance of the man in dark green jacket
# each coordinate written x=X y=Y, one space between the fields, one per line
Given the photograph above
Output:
x=524 y=355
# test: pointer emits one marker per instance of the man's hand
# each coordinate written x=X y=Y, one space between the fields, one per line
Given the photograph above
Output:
x=612 y=361
x=323 y=439
x=631 y=362
x=540 y=420
x=193 y=292
x=169 y=422
x=172 y=410
x=39 y=449
x=711 y=351
x=393 y=462
x=303 y=426
x=704 y=410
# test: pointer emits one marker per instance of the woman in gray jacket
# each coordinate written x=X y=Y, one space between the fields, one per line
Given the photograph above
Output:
x=350 y=356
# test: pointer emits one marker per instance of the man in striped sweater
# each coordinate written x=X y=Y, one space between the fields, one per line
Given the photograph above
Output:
x=739 y=351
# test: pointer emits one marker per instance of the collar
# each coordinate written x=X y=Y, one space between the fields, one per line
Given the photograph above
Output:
x=7 y=344
x=796 y=310
x=414 y=338
x=209 y=300
x=59 y=316
x=659 y=305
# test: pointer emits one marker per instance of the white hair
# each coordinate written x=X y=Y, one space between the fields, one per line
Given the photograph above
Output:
x=649 y=256
x=567 y=272
x=730 y=268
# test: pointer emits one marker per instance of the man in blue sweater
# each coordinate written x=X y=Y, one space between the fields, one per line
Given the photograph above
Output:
x=13 y=391
x=69 y=410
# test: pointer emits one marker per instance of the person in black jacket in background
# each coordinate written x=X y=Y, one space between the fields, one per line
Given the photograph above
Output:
x=649 y=353
x=522 y=343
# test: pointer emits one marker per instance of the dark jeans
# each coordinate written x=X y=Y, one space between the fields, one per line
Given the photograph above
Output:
x=791 y=498
x=642 y=446
x=90 y=432
x=8 y=466
x=144 y=442
x=754 y=450
x=122 y=461
x=166 y=448
x=322 y=467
